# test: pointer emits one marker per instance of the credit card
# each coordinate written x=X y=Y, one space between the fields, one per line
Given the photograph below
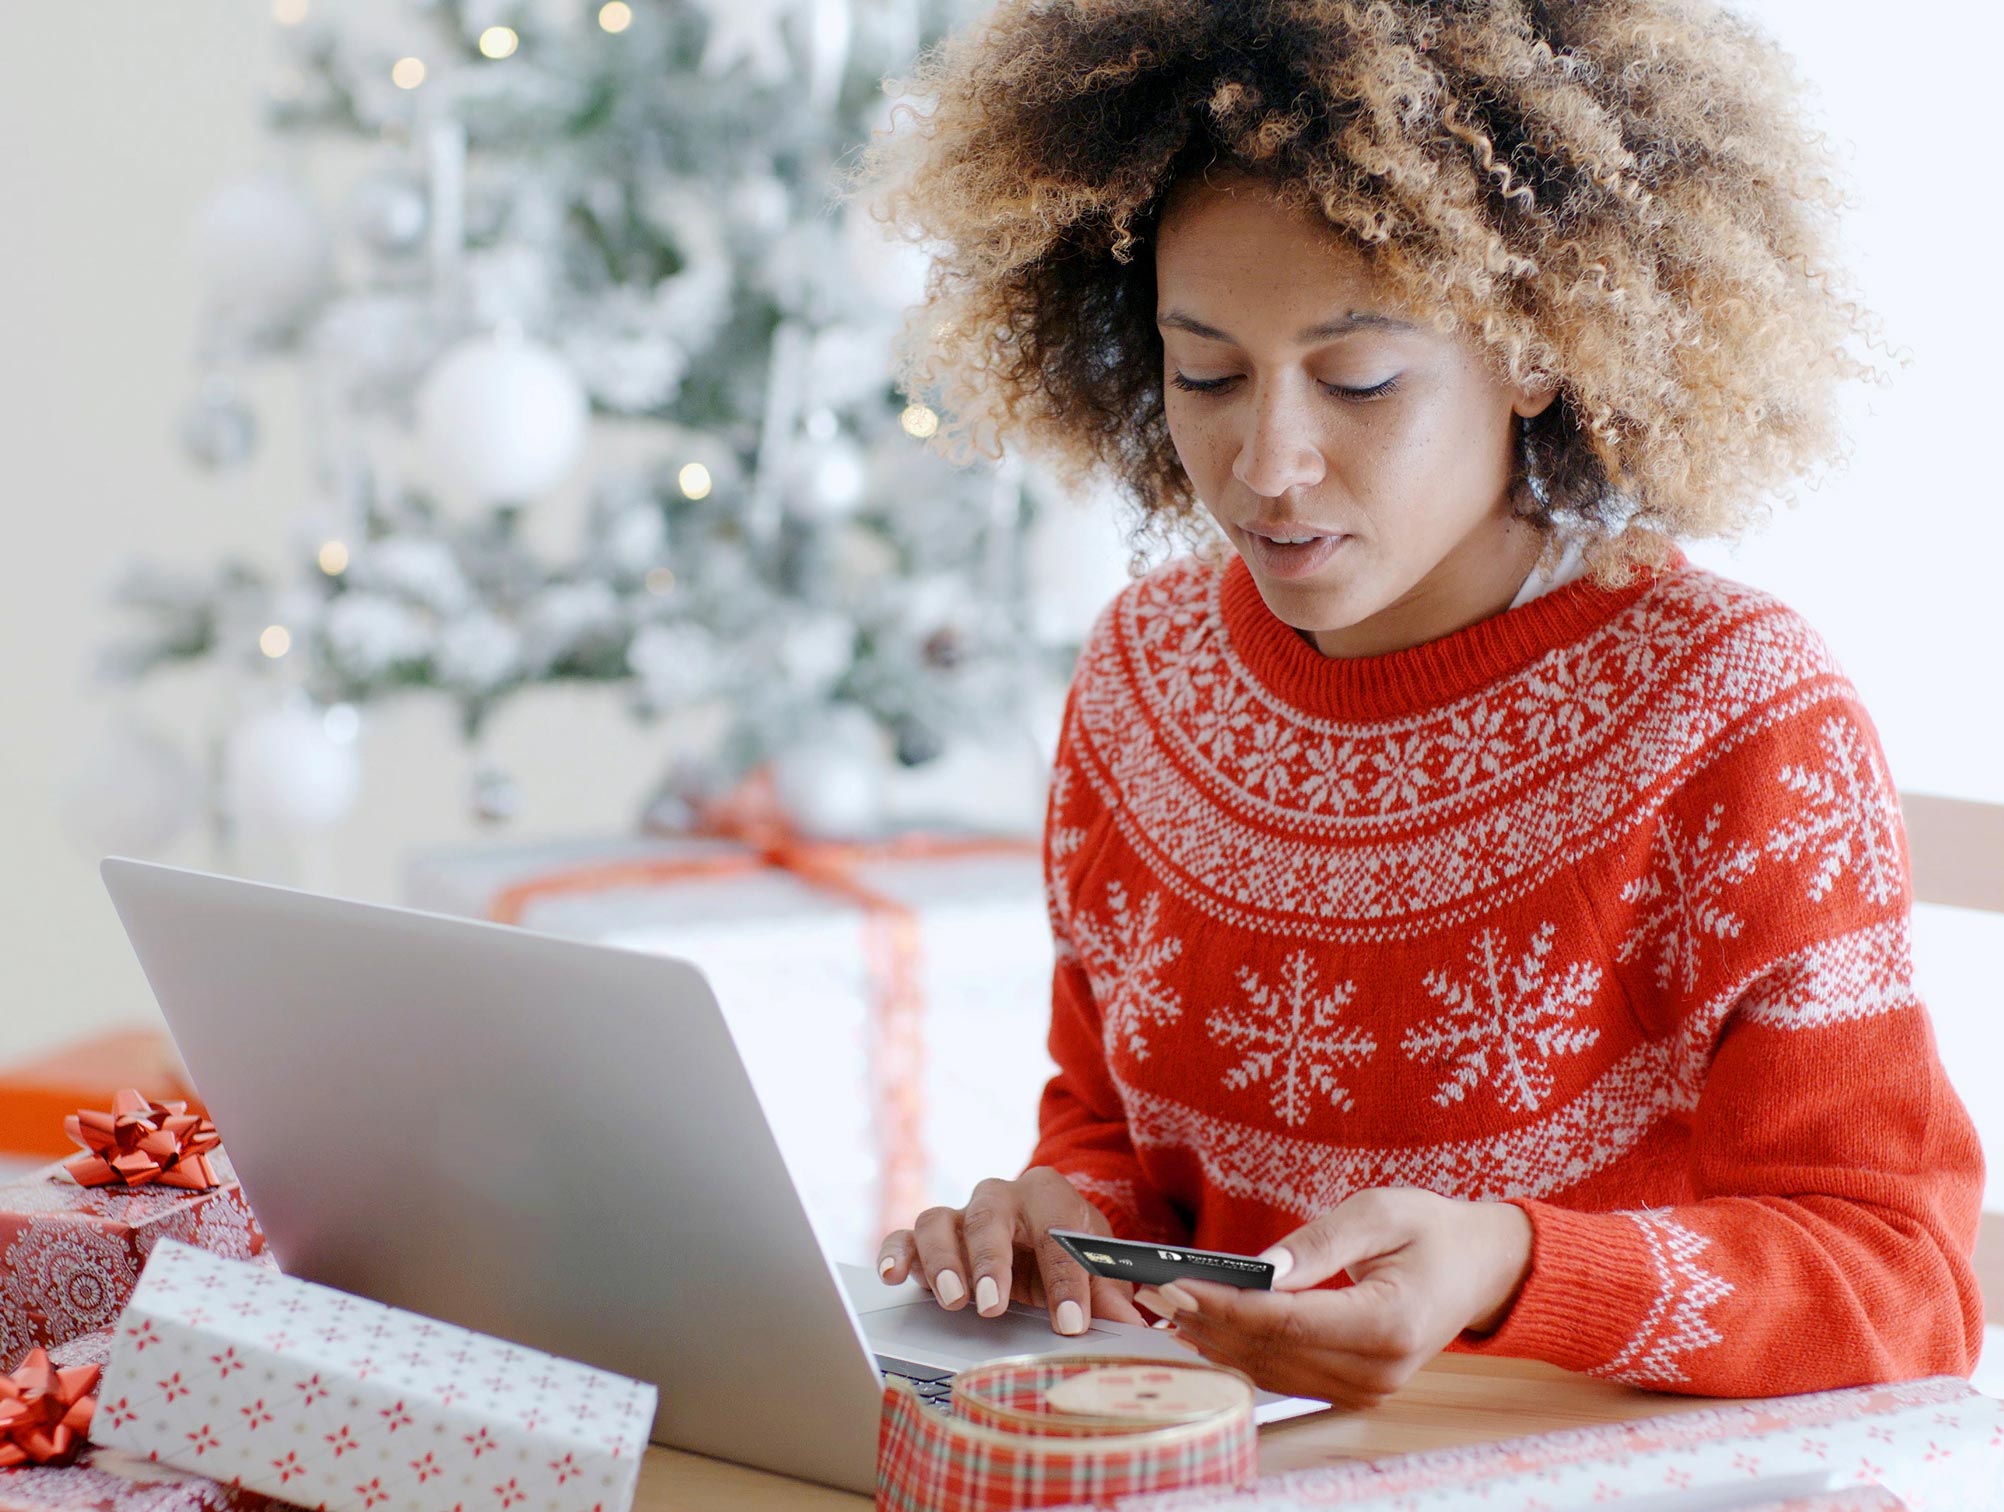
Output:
x=1159 y=1264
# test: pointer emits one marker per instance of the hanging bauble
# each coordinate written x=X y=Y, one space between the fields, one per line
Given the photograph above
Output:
x=283 y=768
x=494 y=795
x=830 y=781
x=218 y=430
x=501 y=421
x=917 y=742
x=389 y=213
x=132 y=794
x=262 y=249
x=825 y=480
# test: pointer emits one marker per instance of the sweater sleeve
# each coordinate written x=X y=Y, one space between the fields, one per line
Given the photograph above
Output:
x=1835 y=1176
x=1081 y=1122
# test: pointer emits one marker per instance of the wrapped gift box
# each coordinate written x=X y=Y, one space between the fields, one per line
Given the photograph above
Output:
x=899 y=1052
x=71 y=1255
x=1932 y=1445
x=104 y=1480
x=310 y=1395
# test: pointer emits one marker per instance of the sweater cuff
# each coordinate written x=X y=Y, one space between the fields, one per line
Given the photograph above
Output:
x=1591 y=1281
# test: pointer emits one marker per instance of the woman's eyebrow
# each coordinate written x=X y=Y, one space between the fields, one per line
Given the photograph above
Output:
x=1342 y=325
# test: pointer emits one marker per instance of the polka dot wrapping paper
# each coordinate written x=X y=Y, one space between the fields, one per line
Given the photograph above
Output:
x=312 y=1396
x=71 y=1255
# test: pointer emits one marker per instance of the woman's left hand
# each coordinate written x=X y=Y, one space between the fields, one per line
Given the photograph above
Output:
x=1425 y=1267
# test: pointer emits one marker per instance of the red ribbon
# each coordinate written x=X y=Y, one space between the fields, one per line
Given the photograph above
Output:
x=752 y=816
x=140 y=1142
x=45 y=1412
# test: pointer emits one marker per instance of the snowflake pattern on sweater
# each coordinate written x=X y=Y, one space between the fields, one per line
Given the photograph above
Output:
x=1598 y=906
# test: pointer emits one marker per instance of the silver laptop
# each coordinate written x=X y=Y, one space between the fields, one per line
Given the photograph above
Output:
x=550 y=1141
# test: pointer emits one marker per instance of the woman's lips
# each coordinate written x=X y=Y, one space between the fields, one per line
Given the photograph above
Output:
x=1278 y=561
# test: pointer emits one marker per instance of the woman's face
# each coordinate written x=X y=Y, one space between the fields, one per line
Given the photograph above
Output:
x=1325 y=412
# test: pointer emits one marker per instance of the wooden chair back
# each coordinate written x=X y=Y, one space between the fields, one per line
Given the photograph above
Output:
x=1956 y=849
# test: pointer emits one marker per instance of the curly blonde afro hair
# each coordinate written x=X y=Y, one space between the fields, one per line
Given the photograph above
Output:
x=1620 y=196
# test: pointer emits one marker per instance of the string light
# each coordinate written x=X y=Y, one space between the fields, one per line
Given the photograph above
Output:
x=694 y=480
x=288 y=12
x=659 y=581
x=407 y=73
x=333 y=558
x=499 y=42
x=918 y=421
x=275 y=641
x=615 y=16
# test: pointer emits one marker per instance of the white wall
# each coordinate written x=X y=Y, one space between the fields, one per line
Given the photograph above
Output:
x=121 y=116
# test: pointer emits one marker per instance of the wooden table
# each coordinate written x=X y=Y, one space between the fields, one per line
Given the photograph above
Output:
x=1455 y=1400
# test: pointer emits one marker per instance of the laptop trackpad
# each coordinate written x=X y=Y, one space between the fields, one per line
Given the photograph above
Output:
x=928 y=1334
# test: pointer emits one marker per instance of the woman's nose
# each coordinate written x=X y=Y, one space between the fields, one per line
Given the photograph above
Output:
x=1277 y=451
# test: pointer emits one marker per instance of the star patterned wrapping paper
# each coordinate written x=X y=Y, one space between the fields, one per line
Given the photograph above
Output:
x=1930 y=1445
x=312 y=1396
x=70 y=1255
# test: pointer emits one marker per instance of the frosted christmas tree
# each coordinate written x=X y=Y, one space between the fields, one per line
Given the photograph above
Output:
x=564 y=220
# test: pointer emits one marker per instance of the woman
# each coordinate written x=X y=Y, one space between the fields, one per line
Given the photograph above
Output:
x=1458 y=896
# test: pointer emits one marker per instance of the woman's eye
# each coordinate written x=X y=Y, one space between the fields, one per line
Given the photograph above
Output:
x=1215 y=385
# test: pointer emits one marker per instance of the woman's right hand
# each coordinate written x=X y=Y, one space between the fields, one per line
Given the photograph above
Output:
x=998 y=1249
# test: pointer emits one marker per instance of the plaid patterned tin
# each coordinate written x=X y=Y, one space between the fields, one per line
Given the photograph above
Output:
x=1004 y=1446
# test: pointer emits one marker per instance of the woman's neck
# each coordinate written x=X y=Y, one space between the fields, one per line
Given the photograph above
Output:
x=1480 y=577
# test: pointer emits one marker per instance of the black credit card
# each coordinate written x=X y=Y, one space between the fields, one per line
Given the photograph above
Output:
x=1159 y=1264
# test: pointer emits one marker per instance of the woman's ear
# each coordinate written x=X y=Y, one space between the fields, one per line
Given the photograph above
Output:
x=1535 y=401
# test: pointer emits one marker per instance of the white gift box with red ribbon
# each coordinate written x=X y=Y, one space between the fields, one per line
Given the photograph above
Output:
x=898 y=1051
x=307 y=1394
x=1937 y=1445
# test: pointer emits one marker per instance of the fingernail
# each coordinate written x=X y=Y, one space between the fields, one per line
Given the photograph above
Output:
x=884 y=1265
x=1159 y=1323
x=986 y=1293
x=1281 y=1260
x=1177 y=1298
x=1071 y=1317
x=948 y=1288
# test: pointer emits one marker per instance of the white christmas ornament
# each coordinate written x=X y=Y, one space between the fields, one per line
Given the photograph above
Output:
x=132 y=795
x=501 y=421
x=218 y=429
x=262 y=249
x=389 y=213
x=831 y=782
x=825 y=480
x=284 y=770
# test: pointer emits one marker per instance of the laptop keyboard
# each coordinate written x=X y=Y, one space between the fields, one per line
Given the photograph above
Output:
x=934 y=1387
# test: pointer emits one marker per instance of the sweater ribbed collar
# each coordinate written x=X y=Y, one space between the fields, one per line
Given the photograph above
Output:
x=1419 y=677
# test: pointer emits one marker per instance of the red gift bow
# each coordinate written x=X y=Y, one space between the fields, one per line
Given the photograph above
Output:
x=139 y=1142
x=45 y=1412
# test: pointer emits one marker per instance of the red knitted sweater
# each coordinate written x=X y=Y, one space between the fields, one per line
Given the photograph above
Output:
x=1599 y=906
